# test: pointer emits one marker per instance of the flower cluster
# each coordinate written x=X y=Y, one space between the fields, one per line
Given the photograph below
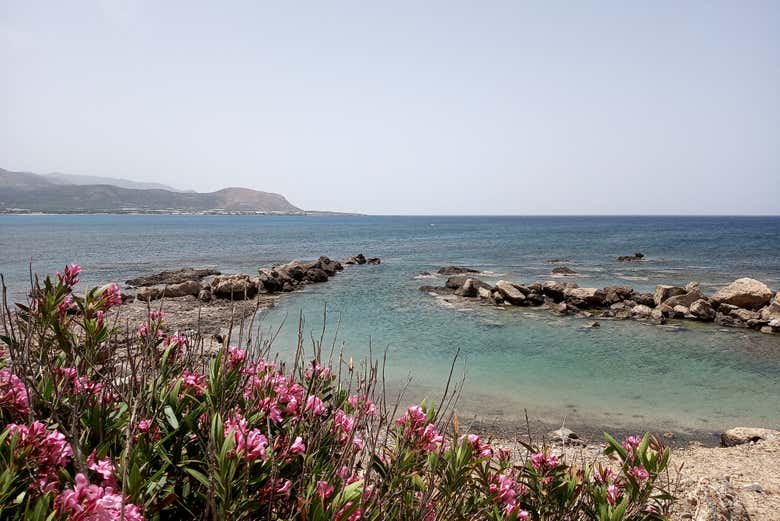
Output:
x=92 y=502
x=70 y=275
x=418 y=431
x=13 y=394
x=249 y=443
x=48 y=451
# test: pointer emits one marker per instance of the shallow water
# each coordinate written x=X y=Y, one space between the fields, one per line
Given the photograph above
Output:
x=691 y=377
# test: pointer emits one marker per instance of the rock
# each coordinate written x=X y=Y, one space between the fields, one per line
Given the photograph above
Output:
x=270 y=281
x=744 y=293
x=469 y=289
x=715 y=501
x=554 y=290
x=658 y=316
x=702 y=310
x=374 y=261
x=629 y=258
x=555 y=261
x=357 y=259
x=772 y=311
x=585 y=297
x=438 y=290
x=641 y=311
x=331 y=267
x=534 y=298
x=590 y=325
x=560 y=308
x=563 y=270
x=686 y=299
x=234 y=287
x=484 y=293
x=314 y=275
x=743 y=435
x=647 y=299
x=149 y=293
x=190 y=287
x=498 y=298
x=680 y=311
x=745 y=315
x=510 y=292
x=458 y=281
x=772 y=327
x=725 y=320
x=173 y=277
x=691 y=286
x=618 y=294
x=663 y=292
x=204 y=295
x=753 y=487
x=456 y=270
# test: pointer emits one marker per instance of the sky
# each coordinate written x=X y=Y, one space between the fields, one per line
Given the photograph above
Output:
x=406 y=107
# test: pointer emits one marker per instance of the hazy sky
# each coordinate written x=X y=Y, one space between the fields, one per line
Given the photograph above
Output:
x=414 y=107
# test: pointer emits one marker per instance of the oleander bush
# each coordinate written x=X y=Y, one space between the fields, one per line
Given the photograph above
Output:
x=100 y=421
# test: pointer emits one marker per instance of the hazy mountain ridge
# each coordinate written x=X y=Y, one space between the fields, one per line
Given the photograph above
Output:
x=33 y=192
x=73 y=179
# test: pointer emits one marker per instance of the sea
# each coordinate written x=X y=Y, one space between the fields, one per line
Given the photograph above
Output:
x=683 y=377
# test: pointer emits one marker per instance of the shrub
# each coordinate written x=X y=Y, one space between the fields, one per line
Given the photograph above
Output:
x=101 y=422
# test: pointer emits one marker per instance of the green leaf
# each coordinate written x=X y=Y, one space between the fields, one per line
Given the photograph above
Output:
x=171 y=417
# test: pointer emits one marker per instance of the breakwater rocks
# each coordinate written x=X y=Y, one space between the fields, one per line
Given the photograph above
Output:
x=745 y=303
x=208 y=284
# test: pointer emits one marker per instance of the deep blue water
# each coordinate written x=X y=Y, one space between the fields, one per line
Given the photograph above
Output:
x=697 y=376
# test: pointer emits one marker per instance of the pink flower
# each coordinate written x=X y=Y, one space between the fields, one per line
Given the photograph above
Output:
x=631 y=443
x=177 y=340
x=542 y=462
x=64 y=306
x=193 y=381
x=316 y=370
x=111 y=295
x=70 y=277
x=481 y=449
x=236 y=356
x=285 y=488
x=604 y=475
x=639 y=473
x=99 y=317
x=92 y=502
x=13 y=394
x=613 y=495
x=298 y=446
x=251 y=444
x=417 y=430
x=315 y=405
x=156 y=315
x=324 y=490
x=47 y=450
x=104 y=467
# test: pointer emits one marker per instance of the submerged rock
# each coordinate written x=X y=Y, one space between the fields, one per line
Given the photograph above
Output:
x=563 y=270
x=629 y=258
x=744 y=293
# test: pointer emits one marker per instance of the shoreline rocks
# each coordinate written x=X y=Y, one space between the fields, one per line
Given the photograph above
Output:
x=623 y=302
x=456 y=270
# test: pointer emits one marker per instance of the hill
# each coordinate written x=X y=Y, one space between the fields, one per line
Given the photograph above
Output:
x=31 y=192
x=71 y=179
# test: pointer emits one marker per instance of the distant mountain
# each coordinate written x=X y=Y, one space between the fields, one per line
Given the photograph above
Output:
x=71 y=179
x=32 y=192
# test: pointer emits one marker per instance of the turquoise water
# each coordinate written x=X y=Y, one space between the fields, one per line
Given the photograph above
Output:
x=624 y=374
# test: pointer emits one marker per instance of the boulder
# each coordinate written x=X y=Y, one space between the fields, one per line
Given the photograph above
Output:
x=554 y=290
x=235 y=287
x=658 y=316
x=330 y=267
x=685 y=299
x=149 y=293
x=190 y=287
x=702 y=310
x=744 y=293
x=743 y=435
x=745 y=315
x=647 y=299
x=484 y=293
x=438 y=290
x=455 y=270
x=270 y=281
x=560 y=308
x=468 y=289
x=510 y=292
x=315 y=275
x=173 y=277
x=617 y=294
x=374 y=261
x=664 y=292
x=590 y=325
x=772 y=311
x=566 y=436
x=205 y=295
x=680 y=311
x=357 y=259
x=563 y=270
x=641 y=311
x=722 y=319
x=772 y=327
x=585 y=297
x=534 y=298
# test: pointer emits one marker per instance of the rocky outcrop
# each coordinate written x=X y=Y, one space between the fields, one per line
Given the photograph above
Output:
x=743 y=435
x=563 y=270
x=234 y=287
x=772 y=311
x=357 y=259
x=173 y=277
x=664 y=292
x=455 y=270
x=554 y=290
x=744 y=293
x=641 y=311
x=510 y=293
x=149 y=293
x=685 y=299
